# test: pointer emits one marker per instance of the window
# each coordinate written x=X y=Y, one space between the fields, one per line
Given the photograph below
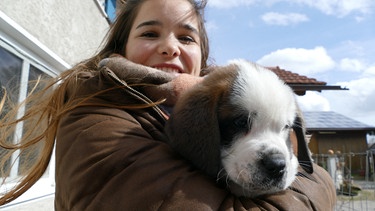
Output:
x=17 y=69
x=24 y=58
x=10 y=71
x=10 y=79
x=108 y=9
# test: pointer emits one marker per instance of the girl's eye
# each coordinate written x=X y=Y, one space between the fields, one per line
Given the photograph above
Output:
x=186 y=39
x=149 y=34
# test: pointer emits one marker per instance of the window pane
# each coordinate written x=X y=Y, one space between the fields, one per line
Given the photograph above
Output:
x=34 y=75
x=10 y=73
x=29 y=156
x=10 y=77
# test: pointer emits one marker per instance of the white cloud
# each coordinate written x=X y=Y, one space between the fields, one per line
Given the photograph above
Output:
x=359 y=19
x=351 y=65
x=360 y=90
x=312 y=101
x=369 y=72
x=300 y=60
x=355 y=56
x=230 y=3
x=350 y=48
x=274 y=18
x=338 y=8
x=211 y=26
x=358 y=102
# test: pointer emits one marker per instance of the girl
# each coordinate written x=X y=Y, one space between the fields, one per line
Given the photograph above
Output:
x=106 y=119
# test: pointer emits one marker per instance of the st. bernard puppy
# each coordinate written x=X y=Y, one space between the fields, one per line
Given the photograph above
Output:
x=235 y=127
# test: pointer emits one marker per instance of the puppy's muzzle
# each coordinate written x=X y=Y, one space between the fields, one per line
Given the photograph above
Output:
x=274 y=165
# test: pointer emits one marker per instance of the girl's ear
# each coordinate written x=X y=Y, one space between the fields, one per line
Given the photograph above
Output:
x=193 y=129
x=304 y=155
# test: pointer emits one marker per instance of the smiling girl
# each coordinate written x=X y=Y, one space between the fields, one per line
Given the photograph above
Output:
x=106 y=119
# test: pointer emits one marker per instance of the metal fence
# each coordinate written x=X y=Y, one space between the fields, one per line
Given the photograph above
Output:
x=354 y=178
x=357 y=166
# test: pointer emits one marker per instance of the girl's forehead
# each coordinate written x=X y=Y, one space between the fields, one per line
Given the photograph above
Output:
x=168 y=12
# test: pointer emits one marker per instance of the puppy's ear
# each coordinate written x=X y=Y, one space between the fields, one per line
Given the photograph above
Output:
x=193 y=130
x=304 y=155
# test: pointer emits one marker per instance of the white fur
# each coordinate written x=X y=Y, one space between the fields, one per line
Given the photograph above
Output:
x=260 y=91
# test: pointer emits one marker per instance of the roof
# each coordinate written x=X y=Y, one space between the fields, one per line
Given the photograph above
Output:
x=331 y=121
x=300 y=84
x=294 y=78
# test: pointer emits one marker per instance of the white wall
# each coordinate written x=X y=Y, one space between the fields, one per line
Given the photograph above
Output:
x=52 y=35
x=72 y=29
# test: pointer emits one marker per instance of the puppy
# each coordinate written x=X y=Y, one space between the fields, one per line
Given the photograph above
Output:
x=235 y=127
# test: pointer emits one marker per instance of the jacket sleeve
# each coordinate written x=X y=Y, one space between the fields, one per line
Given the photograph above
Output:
x=107 y=160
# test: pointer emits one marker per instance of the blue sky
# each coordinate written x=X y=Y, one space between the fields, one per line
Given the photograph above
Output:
x=330 y=40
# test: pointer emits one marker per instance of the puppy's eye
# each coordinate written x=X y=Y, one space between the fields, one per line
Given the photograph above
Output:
x=242 y=122
x=287 y=127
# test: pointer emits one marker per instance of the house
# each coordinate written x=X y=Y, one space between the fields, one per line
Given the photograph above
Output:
x=45 y=38
x=332 y=131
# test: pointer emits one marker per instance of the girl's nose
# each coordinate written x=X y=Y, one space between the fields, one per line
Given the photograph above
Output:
x=169 y=47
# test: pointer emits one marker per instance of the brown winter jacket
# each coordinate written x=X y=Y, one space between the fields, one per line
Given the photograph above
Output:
x=110 y=158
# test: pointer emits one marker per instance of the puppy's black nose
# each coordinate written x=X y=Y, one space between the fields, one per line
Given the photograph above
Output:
x=274 y=164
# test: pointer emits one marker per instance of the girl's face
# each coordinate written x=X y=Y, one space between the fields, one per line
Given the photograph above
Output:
x=165 y=36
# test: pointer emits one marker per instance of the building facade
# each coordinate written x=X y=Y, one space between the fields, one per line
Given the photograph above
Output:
x=333 y=134
x=44 y=38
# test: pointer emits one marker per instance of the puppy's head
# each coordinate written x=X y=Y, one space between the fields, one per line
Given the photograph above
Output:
x=235 y=127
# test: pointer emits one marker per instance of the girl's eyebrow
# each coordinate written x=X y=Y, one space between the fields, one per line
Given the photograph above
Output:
x=158 y=23
x=189 y=28
x=149 y=23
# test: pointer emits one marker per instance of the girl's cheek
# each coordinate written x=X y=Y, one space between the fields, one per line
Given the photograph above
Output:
x=139 y=53
x=193 y=60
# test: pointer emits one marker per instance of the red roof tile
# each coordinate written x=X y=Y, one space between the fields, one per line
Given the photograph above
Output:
x=294 y=78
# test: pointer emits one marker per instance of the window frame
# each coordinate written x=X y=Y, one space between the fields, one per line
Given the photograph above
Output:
x=22 y=44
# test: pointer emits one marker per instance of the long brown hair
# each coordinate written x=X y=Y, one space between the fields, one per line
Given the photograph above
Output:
x=47 y=106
